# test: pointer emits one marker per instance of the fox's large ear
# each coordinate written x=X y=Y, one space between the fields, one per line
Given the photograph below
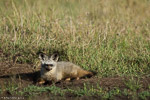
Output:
x=55 y=57
x=42 y=56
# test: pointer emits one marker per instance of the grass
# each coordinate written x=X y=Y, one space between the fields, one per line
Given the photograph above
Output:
x=109 y=37
x=93 y=37
x=32 y=91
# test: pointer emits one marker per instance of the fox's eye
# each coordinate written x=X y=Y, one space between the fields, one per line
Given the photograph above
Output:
x=51 y=65
x=46 y=64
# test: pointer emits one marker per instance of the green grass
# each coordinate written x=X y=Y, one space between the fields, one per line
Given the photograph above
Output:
x=144 y=95
x=109 y=37
x=32 y=91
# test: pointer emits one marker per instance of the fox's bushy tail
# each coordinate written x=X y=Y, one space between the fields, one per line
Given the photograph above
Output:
x=84 y=73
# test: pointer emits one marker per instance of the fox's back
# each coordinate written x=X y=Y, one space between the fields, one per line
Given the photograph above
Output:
x=67 y=67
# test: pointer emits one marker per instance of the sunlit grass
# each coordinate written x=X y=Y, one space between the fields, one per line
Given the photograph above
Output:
x=108 y=36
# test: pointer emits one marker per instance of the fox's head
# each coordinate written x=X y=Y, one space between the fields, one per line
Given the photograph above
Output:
x=48 y=63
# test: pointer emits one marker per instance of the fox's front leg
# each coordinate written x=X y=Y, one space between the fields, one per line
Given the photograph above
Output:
x=58 y=78
x=41 y=81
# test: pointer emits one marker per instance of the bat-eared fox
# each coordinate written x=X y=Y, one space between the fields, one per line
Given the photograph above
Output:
x=55 y=71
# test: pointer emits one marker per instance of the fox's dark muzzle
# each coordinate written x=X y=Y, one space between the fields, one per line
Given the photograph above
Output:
x=48 y=69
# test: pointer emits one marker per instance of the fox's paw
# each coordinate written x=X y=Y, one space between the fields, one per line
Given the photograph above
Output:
x=41 y=81
x=77 y=78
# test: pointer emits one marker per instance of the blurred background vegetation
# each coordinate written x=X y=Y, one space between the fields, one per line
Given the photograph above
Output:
x=111 y=37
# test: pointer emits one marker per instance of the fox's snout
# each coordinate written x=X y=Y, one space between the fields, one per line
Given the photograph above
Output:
x=48 y=68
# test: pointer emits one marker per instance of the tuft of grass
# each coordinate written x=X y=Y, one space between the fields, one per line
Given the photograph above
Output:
x=87 y=90
x=144 y=95
x=34 y=90
x=133 y=84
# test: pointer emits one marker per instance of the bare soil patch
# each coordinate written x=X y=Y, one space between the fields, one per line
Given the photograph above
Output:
x=24 y=74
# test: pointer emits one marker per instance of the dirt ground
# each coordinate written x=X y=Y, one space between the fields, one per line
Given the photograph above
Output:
x=24 y=74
